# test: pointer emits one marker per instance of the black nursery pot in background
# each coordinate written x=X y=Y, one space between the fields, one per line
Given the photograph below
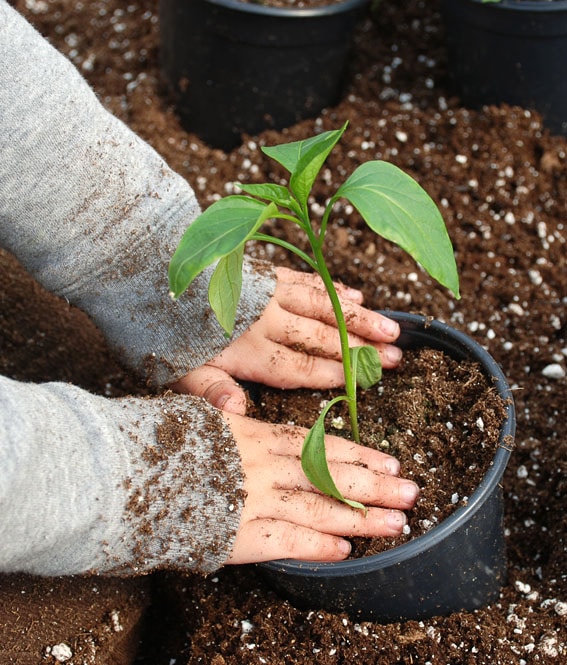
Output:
x=236 y=67
x=458 y=565
x=512 y=51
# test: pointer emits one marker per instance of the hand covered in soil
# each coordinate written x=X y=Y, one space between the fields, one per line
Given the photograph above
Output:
x=284 y=516
x=294 y=344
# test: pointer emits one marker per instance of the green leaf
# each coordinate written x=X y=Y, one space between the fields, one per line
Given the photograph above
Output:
x=314 y=460
x=366 y=365
x=289 y=154
x=221 y=228
x=397 y=208
x=278 y=194
x=225 y=288
x=304 y=159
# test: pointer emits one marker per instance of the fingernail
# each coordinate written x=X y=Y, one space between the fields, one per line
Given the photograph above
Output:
x=396 y=520
x=389 y=327
x=409 y=492
x=232 y=404
x=344 y=547
x=392 y=466
x=352 y=294
x=393 y=353
x=222 y=400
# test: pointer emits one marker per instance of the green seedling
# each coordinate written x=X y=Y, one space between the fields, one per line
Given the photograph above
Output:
x=391 y=203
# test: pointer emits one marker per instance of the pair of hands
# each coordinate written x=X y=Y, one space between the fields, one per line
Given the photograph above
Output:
x=295 y=344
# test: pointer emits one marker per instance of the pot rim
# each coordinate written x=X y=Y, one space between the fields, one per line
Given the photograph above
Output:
x=522 y=5
x=285 y=12
x=415 y=547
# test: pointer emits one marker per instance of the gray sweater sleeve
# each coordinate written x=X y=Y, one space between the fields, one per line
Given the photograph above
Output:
x=94 y=213
x=119 y=487
x=86 y=483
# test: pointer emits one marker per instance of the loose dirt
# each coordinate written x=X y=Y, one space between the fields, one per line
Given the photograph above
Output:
x=501 y=182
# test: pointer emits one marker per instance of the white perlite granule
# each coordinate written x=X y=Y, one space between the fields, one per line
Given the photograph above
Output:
x=61 y=652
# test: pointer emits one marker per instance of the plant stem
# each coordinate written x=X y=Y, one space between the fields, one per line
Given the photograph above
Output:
x=286 y=245
x=350 y=383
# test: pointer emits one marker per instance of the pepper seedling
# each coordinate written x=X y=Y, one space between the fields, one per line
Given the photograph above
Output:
x=391 y=203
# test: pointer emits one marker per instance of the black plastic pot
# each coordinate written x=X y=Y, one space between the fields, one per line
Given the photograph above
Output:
x=513 y=52
x=458 y=565
x=235 y=67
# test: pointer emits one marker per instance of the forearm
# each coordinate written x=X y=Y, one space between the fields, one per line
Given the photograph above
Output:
x=113 y=486
x=95 y=214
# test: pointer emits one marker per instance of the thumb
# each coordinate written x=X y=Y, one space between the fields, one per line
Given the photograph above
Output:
x=214 y=385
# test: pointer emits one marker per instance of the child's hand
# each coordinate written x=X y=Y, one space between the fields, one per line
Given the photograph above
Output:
x=285 y=517
x=294 y=344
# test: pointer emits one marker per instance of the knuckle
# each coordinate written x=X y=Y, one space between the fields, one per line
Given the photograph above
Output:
x=326 y=337
x=317 y=299
x=319 y=510
x=306 y=364
x=290 y=540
